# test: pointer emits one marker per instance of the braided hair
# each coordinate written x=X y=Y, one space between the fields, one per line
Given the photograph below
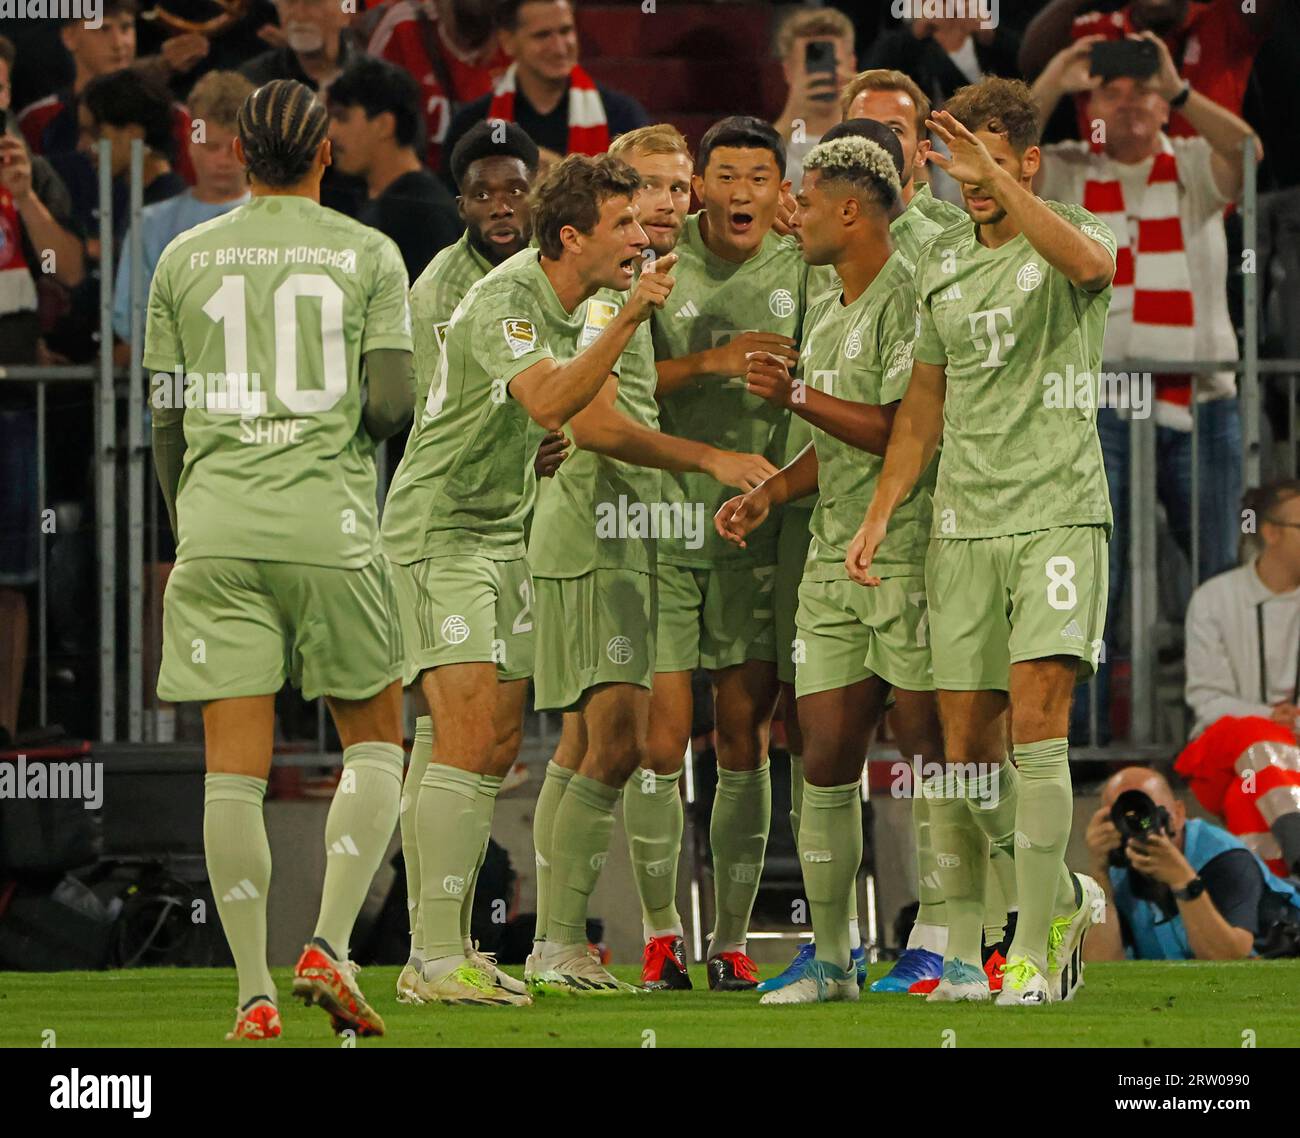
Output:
x=281 y=126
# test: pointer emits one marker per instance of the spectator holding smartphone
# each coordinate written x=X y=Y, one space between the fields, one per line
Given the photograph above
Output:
x=816 y=52
x=1212 y=43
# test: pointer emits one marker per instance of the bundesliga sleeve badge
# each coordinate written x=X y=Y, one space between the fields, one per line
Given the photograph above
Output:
x=521 y=336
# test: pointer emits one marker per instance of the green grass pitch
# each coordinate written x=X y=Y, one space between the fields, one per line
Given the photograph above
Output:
x=1121 y=1005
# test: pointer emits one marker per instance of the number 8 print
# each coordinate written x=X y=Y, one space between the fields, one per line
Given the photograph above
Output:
x=1060 y=575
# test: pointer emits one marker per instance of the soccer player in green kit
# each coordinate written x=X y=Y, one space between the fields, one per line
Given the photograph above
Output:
x=493 y=165
x=856 y=648
x=267 y=466
x=1016 y=571
x=528 y=347
x=740 y=288
x=592 y=553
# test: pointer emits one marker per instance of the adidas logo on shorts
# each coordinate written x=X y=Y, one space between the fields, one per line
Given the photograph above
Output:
x=1072 y=631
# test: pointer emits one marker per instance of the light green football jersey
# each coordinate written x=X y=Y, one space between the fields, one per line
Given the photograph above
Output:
x=944 y=213
x=434 y=296
x=713 y=301
x=863 y=352
x=1013 y=334
x=912 y=230
x=597 y=512
x=466 y=483
x=267 y=312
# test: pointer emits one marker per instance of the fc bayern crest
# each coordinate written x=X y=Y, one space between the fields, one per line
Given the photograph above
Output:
x=853 y=345
x=781 y=303
x=1029 y=277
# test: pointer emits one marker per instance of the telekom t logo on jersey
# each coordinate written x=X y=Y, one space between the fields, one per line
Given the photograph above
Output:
x=984 y=326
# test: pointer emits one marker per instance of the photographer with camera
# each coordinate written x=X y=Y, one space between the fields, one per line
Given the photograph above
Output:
x=1179 y=889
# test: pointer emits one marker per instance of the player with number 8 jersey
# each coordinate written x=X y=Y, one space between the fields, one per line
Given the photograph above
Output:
x=1011 y=311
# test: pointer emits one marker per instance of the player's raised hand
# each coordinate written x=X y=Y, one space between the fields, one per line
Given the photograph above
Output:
x=971 y=162
x=738 y=517
x=862 y=552
x=732 y=358
x=652 y=288
x=768 y=376
x=783 y=223
x=554 y=449
x=734 y=468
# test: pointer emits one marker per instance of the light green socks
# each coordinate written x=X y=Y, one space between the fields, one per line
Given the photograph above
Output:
x=239 y=869
x=931 y=910
x=830 y=852
x=1043 y=884
x=742 y=811
x=488 y=788
x=652 y=816
x=961 y=854
x=796 y=794
x=548 y=802
x=357 y=832
x=582 y=826
x=450 y=838
x=421 y=753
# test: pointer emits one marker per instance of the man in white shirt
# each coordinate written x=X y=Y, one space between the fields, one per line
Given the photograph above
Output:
x=1243 y=675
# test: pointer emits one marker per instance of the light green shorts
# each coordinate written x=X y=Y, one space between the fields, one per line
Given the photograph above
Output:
x=997 y=601
x=595 y=629
x=234 y=627
x=847 y=632
x=791 y=553
x=714 y=618
x=466 y=610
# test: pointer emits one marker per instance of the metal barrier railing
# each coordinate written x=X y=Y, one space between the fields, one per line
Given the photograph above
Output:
x=113 y=386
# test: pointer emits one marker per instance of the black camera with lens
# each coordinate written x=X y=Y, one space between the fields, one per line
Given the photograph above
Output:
x=1136 y=816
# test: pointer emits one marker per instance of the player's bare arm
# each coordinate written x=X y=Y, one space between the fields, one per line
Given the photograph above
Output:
x=863 y=425
x=603 y=428
x=739 y=516
x=1085 y=262
x=553 y=393
x=725 y=360
x=918 y=426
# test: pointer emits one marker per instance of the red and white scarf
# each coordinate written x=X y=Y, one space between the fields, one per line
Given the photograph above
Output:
x=588 y=130
x=17 y=289
x=1153 y=280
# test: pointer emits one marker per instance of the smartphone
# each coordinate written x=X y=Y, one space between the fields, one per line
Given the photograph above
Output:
x=1119 y=59
x=819 y=59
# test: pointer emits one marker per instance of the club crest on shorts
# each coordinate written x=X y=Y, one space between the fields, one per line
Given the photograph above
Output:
x=521 y=335
x=619 y=650
x=781 y=303
x=455 y=629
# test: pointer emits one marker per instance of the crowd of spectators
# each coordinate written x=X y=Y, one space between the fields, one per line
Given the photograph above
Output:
x=1159 y=160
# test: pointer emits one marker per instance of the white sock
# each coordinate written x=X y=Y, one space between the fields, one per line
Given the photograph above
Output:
x=931 y=937
x=442 y=966
x=650 y=934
